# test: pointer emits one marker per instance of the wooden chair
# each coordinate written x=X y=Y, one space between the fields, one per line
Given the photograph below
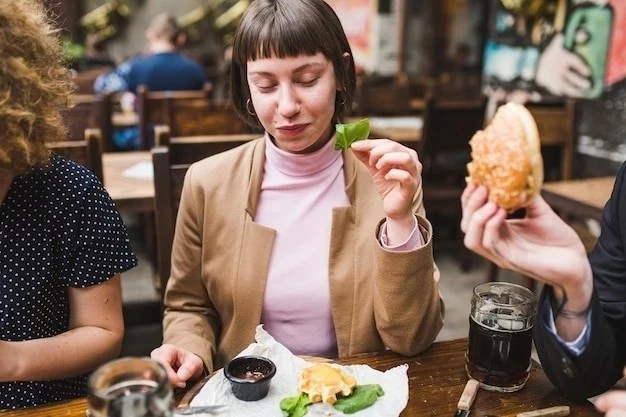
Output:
x=382 y=98
x=87 y=152
x=556 y=123
x=89 y=111
x=187 y=113
x=171 y=159
x=444 y=152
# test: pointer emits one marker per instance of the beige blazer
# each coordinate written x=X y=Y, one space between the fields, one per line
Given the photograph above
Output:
x=379 y=299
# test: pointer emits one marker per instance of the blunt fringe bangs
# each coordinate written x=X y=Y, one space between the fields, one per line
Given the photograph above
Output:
x=287 y=28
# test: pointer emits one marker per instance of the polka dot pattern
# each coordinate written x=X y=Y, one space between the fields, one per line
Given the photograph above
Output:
x=58 y=228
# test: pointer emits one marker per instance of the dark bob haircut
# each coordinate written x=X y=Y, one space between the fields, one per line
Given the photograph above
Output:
x=288 y=28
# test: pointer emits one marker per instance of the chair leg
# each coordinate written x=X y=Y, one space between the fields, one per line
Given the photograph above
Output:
x=465 y=257
x=492 y=272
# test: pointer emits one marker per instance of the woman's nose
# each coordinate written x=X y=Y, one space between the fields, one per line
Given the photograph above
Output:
x=288 y=104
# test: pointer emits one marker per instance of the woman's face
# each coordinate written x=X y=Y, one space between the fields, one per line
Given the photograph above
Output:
x=294 y=98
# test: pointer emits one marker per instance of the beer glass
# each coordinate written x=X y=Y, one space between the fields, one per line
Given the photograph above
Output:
x=501 y=321
x=126 y=387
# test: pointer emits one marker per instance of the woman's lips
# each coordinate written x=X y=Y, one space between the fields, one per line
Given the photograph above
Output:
x=292 y=130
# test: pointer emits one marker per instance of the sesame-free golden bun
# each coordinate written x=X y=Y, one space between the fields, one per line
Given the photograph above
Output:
x=506 y=157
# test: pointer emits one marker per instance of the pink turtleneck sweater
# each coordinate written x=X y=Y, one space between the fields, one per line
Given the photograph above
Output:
x=298 y=194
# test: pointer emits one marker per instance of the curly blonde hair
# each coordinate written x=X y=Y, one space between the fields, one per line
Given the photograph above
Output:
x=34 y=83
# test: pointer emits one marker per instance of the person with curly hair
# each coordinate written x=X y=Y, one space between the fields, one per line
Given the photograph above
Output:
x=62 y=242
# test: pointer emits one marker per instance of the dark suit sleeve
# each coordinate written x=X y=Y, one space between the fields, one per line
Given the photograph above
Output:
x=600 y=365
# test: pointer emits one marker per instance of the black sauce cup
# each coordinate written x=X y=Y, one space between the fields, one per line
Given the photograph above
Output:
x=250 y=377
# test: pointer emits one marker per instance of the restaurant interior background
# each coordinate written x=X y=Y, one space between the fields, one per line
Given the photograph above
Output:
x=427 y=44
x=459 y=50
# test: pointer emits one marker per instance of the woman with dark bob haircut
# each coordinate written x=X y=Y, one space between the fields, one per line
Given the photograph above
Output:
x=62 y=243
x=330 y=250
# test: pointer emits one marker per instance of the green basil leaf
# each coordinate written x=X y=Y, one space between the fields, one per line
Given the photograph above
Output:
x=346 y=133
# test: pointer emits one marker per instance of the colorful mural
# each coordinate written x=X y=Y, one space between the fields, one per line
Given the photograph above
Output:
x=357 y=19
x=556 y=47
x=541 y=49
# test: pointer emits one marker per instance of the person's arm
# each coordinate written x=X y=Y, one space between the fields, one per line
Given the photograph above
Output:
x=408 y=309
x=600 y=364
x=190 y=321
x=95 y=336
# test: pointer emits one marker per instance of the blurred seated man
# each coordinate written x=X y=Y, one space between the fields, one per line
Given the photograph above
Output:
x=163 y=68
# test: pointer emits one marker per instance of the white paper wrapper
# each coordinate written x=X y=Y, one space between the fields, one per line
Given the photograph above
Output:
x=394 y=382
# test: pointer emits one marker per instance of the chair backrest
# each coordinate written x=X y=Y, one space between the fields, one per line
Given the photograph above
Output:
x=89 y=111
x=557 y=129
x=171 y=159
x=86 y=152
x=556 y=123
x=382 y=99
x=186 y=112
x=448 y=127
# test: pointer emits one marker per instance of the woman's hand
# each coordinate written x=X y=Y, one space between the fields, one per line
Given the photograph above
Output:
x=396 y=171
x=180 y=364
x=613 y=403
x=540 y=245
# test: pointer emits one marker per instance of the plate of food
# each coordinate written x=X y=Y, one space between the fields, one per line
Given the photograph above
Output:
x=307 y=387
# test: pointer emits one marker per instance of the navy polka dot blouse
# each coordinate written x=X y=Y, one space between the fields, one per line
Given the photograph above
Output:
x=58 y=228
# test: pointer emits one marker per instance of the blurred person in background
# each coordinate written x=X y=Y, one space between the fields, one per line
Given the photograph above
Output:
x=162 y=68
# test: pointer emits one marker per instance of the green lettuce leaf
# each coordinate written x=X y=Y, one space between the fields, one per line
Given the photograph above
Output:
x=295 y=406
x=362 y=397
x=351 y=132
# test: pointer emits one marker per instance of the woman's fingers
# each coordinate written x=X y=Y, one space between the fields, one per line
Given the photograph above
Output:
x=377 y=148
x=397 y=161
x=167 y=356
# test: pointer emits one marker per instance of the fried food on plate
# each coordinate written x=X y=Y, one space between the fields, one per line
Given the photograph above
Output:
x=324 y=381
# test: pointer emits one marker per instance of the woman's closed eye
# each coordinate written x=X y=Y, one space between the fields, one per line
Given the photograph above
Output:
x=265 y=87
x=307 y=82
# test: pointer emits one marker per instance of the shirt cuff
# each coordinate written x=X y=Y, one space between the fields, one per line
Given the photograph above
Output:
x=414 y=240
x=576 y=346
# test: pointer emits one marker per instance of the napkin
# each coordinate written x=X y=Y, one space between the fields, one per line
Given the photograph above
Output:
x=394 y=382
x=142 y=170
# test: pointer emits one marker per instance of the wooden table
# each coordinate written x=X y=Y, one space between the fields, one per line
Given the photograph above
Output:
x=128 y=193
x=584 y=197
x=382 y=127
x=436 y=381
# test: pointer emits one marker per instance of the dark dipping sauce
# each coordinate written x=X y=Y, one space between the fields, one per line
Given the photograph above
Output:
x=250 y=375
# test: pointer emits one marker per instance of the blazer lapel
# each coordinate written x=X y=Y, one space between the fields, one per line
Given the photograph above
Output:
x=342 y=267
x=255 y=255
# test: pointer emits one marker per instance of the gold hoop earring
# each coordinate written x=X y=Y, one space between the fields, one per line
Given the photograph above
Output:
x=248 y=108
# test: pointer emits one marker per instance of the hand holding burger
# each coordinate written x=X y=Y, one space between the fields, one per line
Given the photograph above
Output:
x=506 y=173
x=506 y=158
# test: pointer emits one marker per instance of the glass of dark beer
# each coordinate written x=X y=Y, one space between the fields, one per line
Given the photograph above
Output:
x=501 y=322
x=126 y=387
